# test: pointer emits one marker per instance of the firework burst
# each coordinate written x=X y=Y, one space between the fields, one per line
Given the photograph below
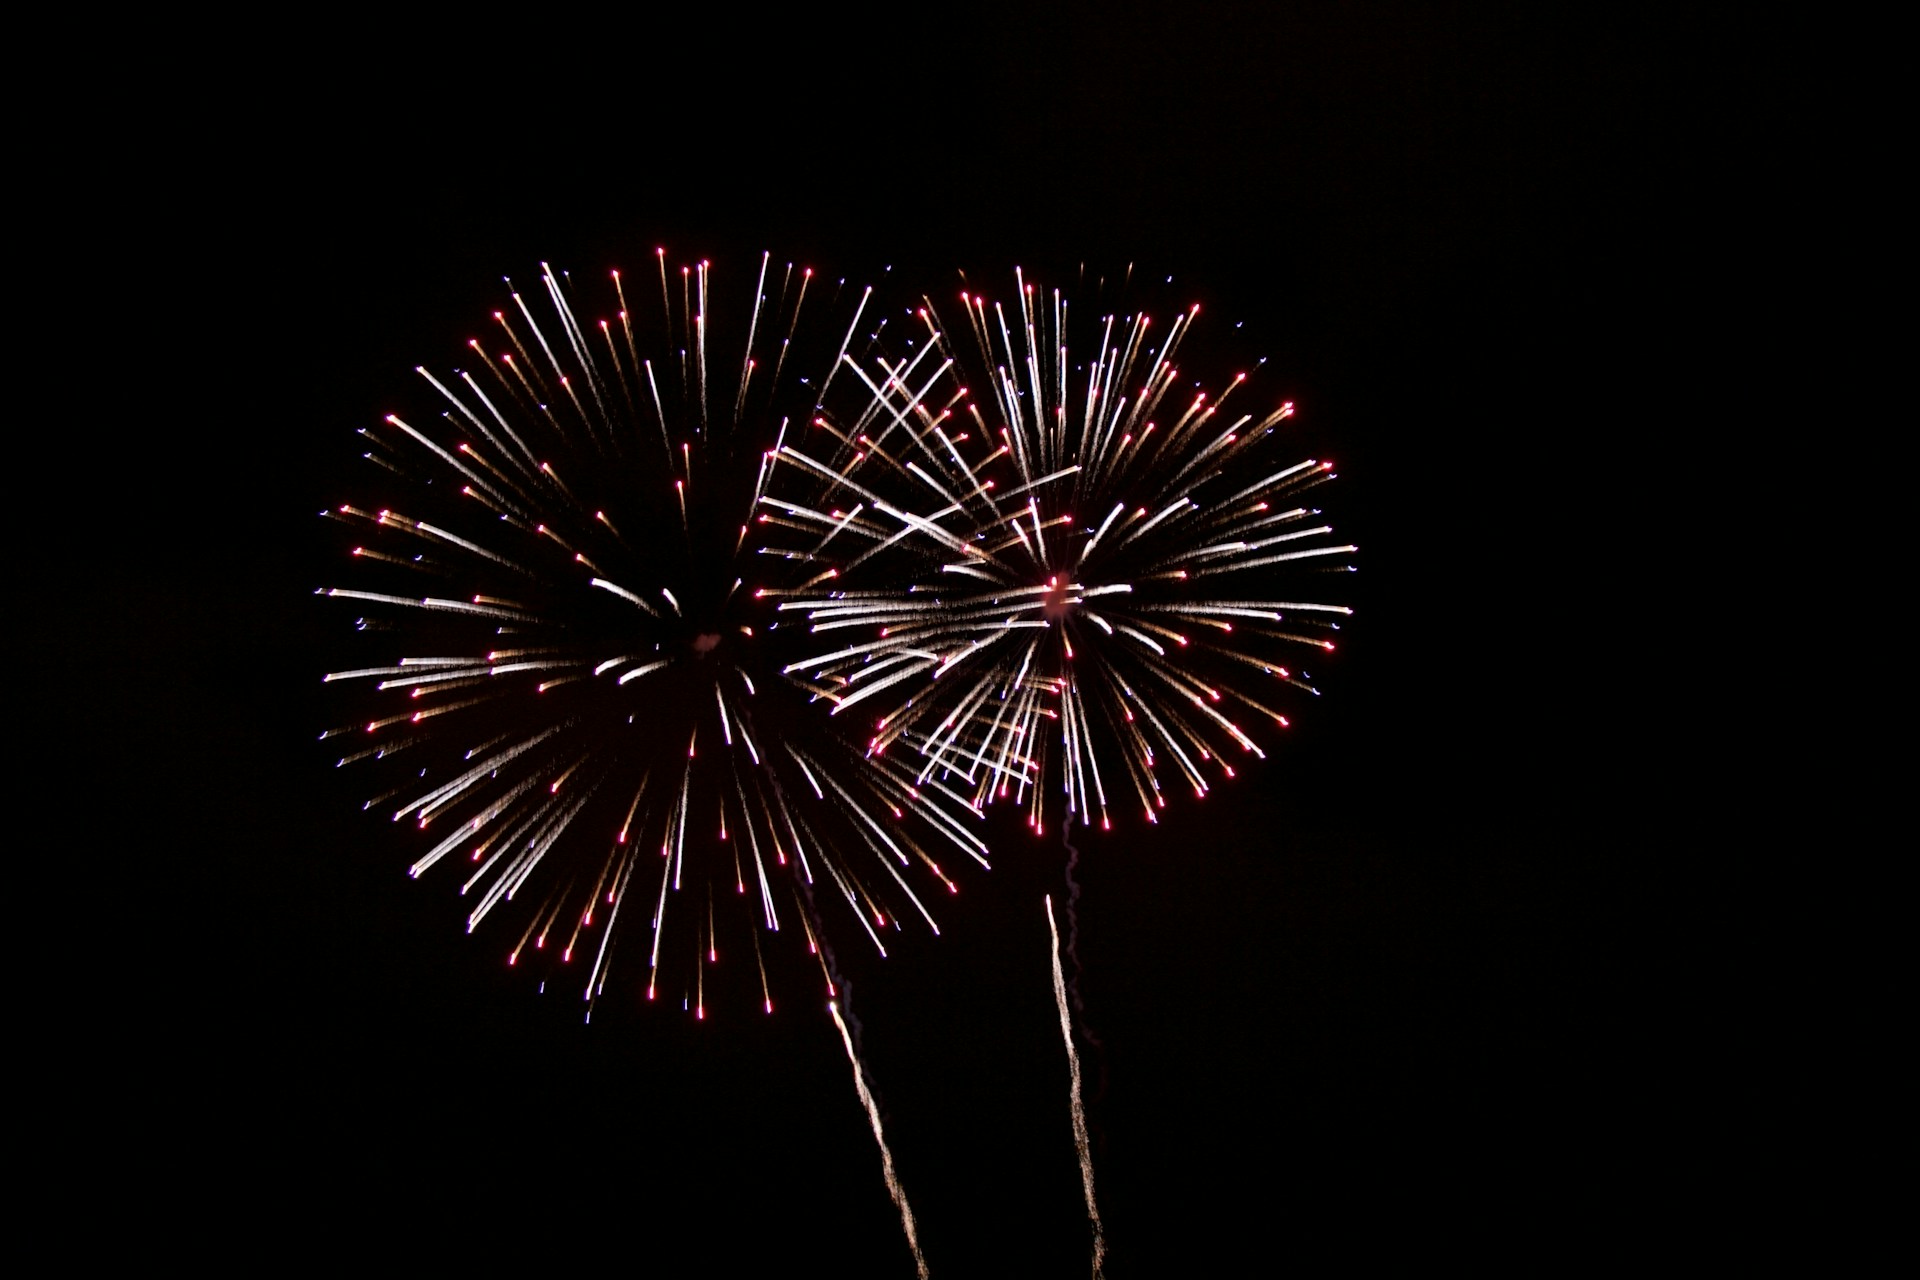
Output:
x=1089 y=566
x=569 y=669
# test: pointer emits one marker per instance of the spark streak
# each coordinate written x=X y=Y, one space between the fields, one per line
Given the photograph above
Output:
x=894 y=1188
x=1080 y=1143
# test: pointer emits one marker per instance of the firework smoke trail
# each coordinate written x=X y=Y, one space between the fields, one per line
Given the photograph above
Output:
x=1080 y=1143
x=1073 y=932
x=894 y=1188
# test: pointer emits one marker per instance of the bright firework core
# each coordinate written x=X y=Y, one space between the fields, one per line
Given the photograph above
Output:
x=1058 y=600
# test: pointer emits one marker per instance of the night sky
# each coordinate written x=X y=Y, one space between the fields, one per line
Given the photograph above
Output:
x=1459 y=972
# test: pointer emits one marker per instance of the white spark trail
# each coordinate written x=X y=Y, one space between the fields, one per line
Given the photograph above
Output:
x=1079 y=1112
x=894 y=1188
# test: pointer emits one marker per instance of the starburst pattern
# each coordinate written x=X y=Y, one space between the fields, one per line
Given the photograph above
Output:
x=1078 y=575
x=569 y=673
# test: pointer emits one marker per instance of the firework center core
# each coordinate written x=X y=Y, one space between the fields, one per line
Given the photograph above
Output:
x=705 y=642
x=1057 y=599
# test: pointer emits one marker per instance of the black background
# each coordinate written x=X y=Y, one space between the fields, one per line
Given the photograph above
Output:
x=1468 y=970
